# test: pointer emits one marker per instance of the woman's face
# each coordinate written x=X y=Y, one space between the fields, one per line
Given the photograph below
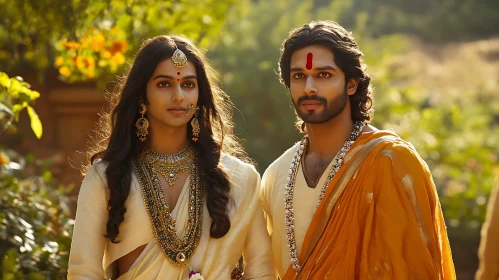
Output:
x=170 y=92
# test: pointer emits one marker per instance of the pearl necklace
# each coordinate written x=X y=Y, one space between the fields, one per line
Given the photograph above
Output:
x=290 y=186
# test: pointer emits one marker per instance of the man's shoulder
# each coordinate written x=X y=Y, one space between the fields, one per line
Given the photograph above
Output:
x=399 y=152
x=284 y=160
x=401 y=148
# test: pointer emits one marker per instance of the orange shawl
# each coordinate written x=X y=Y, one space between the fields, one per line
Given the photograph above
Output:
x=380 y=218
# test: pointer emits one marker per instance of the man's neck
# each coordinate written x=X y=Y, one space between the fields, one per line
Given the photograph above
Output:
x=327 y=139
x=168 y=140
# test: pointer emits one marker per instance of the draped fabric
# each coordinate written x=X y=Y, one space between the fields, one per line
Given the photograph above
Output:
x=380 y=218
x=92 y=256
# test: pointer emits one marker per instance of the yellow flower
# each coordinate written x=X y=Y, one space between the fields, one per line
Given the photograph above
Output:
x=72 y=61
x=90 y=73
x=118 y=58
x=118 y=46
x=98 y=42
x=59 y=61
x=90 y=62
x=72 y=45
x=4 y=159
x=80 y=63
x=102 y=63
x=105 y=54
x=64 y=71
x=85 y=63
x=84 y=42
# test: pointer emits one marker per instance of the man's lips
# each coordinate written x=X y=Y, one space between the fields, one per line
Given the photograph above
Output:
x=310 y=106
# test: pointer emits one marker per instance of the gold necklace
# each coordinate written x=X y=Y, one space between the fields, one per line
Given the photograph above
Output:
x=177 y=250
x=290 y=187
x=170 y=166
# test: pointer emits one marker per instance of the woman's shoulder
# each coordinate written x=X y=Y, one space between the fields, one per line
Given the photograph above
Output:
x=230 y=162
x=238 y=168
x=94 y=185
x=97 y=168
x=95 y=175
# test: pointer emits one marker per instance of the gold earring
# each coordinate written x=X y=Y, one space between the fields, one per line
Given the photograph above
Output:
x=142 y=124
x=195 y=126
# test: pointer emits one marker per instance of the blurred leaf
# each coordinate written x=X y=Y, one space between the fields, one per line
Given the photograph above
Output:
x=36 y=124
x=4 y=80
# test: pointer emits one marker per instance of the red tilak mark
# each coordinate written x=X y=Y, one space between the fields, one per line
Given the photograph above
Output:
x=310 y=56
x=178 y=73
x=178 y=80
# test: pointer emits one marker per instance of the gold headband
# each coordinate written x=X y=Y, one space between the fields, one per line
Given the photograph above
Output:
x=179 y=59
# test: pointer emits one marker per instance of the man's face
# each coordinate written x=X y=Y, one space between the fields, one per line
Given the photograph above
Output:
x=317 y=85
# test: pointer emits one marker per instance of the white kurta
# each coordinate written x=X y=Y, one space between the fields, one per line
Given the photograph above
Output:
x=93 y=256
x=304 y=203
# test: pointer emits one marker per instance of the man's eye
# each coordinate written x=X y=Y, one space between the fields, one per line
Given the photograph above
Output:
x=324 y=75
x=298 y=76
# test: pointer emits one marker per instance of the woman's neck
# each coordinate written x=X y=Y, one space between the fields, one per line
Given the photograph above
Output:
x=168 y=141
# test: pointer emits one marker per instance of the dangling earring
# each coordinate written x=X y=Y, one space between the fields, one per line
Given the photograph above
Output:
x=142 y=124
x=195 y=126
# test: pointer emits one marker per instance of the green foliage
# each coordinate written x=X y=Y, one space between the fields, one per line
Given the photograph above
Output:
x=35 y=228
x=432 y=20
x=17 y=95
x=31 y=30
x=34 y=215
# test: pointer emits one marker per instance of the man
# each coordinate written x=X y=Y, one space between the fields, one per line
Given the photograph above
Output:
x=348 y=201
x=488 y=253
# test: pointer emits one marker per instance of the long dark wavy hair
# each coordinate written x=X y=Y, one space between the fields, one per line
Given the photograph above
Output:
x=347 y=56
x=117 y=144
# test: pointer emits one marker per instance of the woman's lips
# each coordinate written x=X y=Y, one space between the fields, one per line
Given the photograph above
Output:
x=177 y=112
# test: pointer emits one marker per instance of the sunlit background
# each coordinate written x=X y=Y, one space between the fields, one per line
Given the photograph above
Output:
x=435 y=67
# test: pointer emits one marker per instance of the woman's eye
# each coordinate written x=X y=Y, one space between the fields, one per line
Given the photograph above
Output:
x=163 y=84
x=189 y=85
x=298 y=75
x=324 y=75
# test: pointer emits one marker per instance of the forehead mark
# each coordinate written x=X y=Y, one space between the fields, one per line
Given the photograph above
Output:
x=178 y=73
x=310 y=56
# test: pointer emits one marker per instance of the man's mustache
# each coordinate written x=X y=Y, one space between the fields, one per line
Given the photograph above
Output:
x=314 y=97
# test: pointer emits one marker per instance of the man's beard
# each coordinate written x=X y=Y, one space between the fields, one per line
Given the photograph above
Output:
x=332 y=108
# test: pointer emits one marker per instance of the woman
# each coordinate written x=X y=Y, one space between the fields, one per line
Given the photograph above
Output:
x=168 y=196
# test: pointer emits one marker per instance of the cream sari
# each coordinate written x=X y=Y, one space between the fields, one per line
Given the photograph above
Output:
x=93 y=256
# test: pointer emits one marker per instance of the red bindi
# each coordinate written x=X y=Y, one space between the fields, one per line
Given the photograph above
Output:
x=310 y=56
x=178 y=73
x=178 y=80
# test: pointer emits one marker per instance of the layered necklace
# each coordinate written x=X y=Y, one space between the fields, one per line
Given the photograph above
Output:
x=290 y=186
x=177 y=250
x=170 y=166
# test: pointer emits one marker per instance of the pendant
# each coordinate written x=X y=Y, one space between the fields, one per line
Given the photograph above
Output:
x=180 y=257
